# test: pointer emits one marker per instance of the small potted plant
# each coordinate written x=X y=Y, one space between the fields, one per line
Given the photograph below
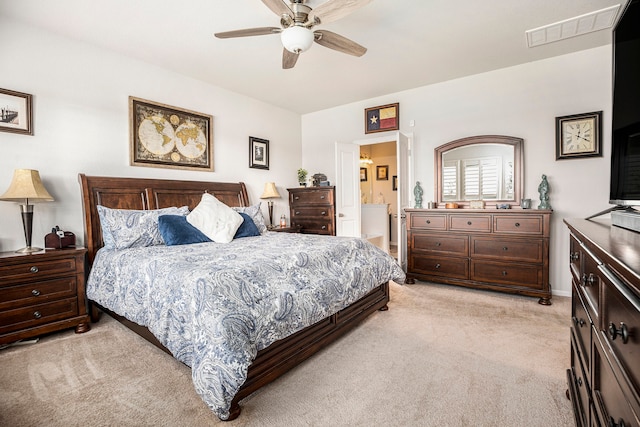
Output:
x=302 y=177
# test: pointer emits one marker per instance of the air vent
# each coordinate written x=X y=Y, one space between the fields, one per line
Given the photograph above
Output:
x=583 y=24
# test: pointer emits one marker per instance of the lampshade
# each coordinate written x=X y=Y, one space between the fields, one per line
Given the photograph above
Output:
x=270 y=191
x=26 y=187
x=296 y=39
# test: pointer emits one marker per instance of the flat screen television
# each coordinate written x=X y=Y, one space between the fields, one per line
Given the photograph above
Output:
x=625 y=141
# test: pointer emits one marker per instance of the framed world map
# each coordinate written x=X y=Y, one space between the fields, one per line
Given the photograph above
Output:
x=170 y=137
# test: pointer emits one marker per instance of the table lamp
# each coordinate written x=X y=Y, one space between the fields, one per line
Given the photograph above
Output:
x=26 y=187
x=270 y=192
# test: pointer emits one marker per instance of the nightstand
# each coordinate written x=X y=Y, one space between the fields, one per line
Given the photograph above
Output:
x=285 y=229
x=42 y=292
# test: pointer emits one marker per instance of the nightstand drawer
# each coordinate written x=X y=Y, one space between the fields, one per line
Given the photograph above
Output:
x=312 y=226
x=315 y=196
x=315 y=211
x=39 y=314
x=33 y=269
x=37 y=292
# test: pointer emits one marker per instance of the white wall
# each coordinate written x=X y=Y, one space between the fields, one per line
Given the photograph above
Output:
x=520 y=101
x=81 y=123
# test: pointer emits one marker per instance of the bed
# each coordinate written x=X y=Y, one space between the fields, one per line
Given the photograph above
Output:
x=174 y=308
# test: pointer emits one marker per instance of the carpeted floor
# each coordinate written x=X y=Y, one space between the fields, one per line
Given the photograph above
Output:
x=441 y=356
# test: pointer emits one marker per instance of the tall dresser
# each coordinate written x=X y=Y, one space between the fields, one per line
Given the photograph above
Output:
x=499 y=249
x=604 y=377
x=313 y=209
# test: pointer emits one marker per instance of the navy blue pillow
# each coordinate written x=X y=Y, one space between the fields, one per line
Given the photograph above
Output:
x=247 y=228
x=175 y=230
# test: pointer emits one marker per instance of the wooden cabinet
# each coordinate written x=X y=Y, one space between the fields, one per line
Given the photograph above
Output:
x=502 y=250
x=604 y=377
x=313 y=209
x=42 y=292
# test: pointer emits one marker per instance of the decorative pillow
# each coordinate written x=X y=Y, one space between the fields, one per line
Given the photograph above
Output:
x=256 y=215
x=129 y=228
x=175 y=230
x=247 y=228
x=215 y=219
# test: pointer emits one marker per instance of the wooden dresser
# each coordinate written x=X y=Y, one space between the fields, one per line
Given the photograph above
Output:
x=604 y=378
x=313 y=209
x=498 y=249
x=42 y=292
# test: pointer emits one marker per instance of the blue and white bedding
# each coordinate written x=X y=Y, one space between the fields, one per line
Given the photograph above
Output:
x=214 y=306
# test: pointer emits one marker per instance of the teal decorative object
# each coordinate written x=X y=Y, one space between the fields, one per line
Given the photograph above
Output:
x=417 y=192
x=543 y=189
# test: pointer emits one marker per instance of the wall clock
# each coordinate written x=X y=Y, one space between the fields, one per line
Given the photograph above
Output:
x=579 y=135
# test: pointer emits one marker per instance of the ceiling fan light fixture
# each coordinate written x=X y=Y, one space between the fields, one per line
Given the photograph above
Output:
x=296 y=39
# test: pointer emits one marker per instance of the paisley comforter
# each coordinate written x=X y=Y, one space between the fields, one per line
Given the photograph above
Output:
x=214 y=306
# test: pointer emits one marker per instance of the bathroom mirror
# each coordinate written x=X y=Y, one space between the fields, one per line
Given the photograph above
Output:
x=486 y=168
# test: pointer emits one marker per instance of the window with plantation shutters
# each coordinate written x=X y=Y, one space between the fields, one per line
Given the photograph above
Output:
x=450 y=181
x=480 y=179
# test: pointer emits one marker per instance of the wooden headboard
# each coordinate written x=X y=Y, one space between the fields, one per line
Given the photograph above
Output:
x=144 y=194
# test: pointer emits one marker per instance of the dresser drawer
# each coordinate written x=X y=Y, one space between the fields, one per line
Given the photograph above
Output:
x=575 y=255
x=39 y=314
x=580 y=381
x=529 y=250
x=480 y=223
x=620 y=323
x=315 y=211
x=35 y=269
x=320 y=196
x=522 y=275
x=581 y=325
x=590 y=286
x=428 y=221
x=457 y=268
x=440 y=243
x=37 y=292
x=313 y=226
x=532 y=225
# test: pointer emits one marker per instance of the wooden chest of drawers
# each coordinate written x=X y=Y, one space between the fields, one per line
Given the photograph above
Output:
x=604 y=377
x=42 y=292
x=313 y=209
x=503 y=250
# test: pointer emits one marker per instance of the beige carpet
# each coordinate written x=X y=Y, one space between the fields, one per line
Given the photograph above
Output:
x=441 y=356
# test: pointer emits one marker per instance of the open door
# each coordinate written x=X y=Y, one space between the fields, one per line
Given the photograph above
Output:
x=403 y=166
x=347 y=190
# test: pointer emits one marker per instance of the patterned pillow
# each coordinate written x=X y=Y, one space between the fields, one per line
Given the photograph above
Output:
x=256 y=215
x=129 y=228
x=216 y=220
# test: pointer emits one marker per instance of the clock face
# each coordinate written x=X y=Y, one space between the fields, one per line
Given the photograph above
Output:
x=578 y=136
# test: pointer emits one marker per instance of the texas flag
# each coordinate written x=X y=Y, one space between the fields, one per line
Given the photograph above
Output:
x=383 y=118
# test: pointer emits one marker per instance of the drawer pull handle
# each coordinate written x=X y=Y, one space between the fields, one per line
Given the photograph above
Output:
x=428 y=221
x=34 y=269
x=323 y=213
x=324 y=227
x=612 y=423
x=438 y=265
x=322 y=197
x=580 y=381
x=588 y=280
x=578 y=322
x=438 y=243
x=505 y=248
x=297 y=197
x=37 y=314
x=297 y=212
x=468 y=222
x=623 y=332
x=35 y=292
x=504 y=273
x=517 y=224
x=575 y=256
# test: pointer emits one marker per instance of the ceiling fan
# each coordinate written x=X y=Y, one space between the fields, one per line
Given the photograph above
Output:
x=297 y=21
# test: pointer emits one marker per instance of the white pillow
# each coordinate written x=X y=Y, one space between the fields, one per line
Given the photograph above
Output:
x=216 y=220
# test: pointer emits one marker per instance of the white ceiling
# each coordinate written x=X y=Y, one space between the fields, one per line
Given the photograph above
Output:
x=410 y=43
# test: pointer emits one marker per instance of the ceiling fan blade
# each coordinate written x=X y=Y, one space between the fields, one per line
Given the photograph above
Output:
x=289 y=59
x=279 y=7
x=261 y=31
x=334 y=10
x=337 y=42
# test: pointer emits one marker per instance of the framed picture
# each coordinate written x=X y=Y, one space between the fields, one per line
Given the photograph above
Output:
x=395 y=183
x=169 y=137
x=16 y=112
x=382 y=119
x=258 y=153
x=579 y=135
x=382 y=173
x=363 y=174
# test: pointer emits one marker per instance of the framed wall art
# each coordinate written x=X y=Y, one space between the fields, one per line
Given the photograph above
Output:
x=382 y=173
x=169 y=137
x=16 y=112
x=579 y=135
x=382 y=119
x=363 y=174
x=258 y=153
